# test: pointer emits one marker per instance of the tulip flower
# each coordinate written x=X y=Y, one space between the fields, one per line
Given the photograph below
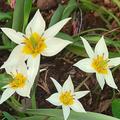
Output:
x=35 y=42
x=20 y=82
x=99 y=63
x=67 y=97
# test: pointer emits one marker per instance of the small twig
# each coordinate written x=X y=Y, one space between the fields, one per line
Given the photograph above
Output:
x=90 y=92
x=44 y=85
x=90 y=30
x=111 y=31
x=46 y=65
x=82 y=83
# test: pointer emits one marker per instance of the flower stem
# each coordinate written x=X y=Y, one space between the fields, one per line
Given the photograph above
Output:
x=33 y=96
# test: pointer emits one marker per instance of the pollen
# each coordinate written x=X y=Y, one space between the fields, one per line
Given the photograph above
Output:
x=100 y=64
x=34 y=45
x=66 y=98
x=18 y=81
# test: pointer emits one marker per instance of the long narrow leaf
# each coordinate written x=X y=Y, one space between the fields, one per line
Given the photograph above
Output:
x=6 y=15
x=18 y=15
x=57 y=113
x=27 y=9
x=72 y=5
x=57 y=15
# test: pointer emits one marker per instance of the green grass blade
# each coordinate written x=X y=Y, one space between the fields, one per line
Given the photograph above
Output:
x=7 y=15
x=27 y=9
x=18 y=15
x=116 y=108
x=57 y=114
x=72 y=5
x=57 y=15
x=7 y=116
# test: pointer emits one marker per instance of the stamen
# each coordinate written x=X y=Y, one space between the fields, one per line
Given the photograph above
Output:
x=18 y=81
x=100 y=64
x=34 y=45
x=66 y=98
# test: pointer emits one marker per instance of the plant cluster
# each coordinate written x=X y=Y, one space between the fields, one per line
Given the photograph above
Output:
x=22 y=67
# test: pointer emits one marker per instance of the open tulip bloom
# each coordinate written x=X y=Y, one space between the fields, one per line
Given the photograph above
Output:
x=67 y=98
x=99 y=63
x=35 y=42
x=20 y=82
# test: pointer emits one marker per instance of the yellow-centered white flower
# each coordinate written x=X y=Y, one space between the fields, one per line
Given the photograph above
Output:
x=35 y=42
x=99 y=63
x=20 y=82
x=67 y=98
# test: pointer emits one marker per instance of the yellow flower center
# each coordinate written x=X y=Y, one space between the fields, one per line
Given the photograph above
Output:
x=100 y=64
x=66 y=98
x=18 y=81
x=34 y=45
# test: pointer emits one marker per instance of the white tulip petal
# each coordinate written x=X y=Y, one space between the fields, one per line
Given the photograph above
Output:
x=100 y=79
x=19 y=68
x=37 y=24
x=114 y=62
x=101 y=48
x=22 y=68
x=57 y=85
x=88 y=48
x=15 y=57
x=66 y=112
x=54 y=99
x=16 y=37
x=6 y=86
x=77 y=107
x=53 y=30
x=6 y=94
x=33 y=67
x=68 y=85
x=80 y=94
x=85 y=65
x=109 y=80
x=54 y=46
x=25 y=91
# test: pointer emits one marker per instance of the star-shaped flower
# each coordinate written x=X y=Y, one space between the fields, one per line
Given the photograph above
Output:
x=20 y=82
x=99 y=63
x=35 y=42
x=67 y=97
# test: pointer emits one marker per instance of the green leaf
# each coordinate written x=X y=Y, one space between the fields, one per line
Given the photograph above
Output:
x=18 y=15
x=111 y=14
x=72 y=5
x=78 y=48
x=89 y=5
x=57 y=15
x=95 y=38
x=4 y=79
x=116 y=108
x=27 y=9
x=6 y=41
x=7 y=116
x=117 y=2
x=6 y=15
x=57 y=114
x=35 y=117
x=64 y=36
